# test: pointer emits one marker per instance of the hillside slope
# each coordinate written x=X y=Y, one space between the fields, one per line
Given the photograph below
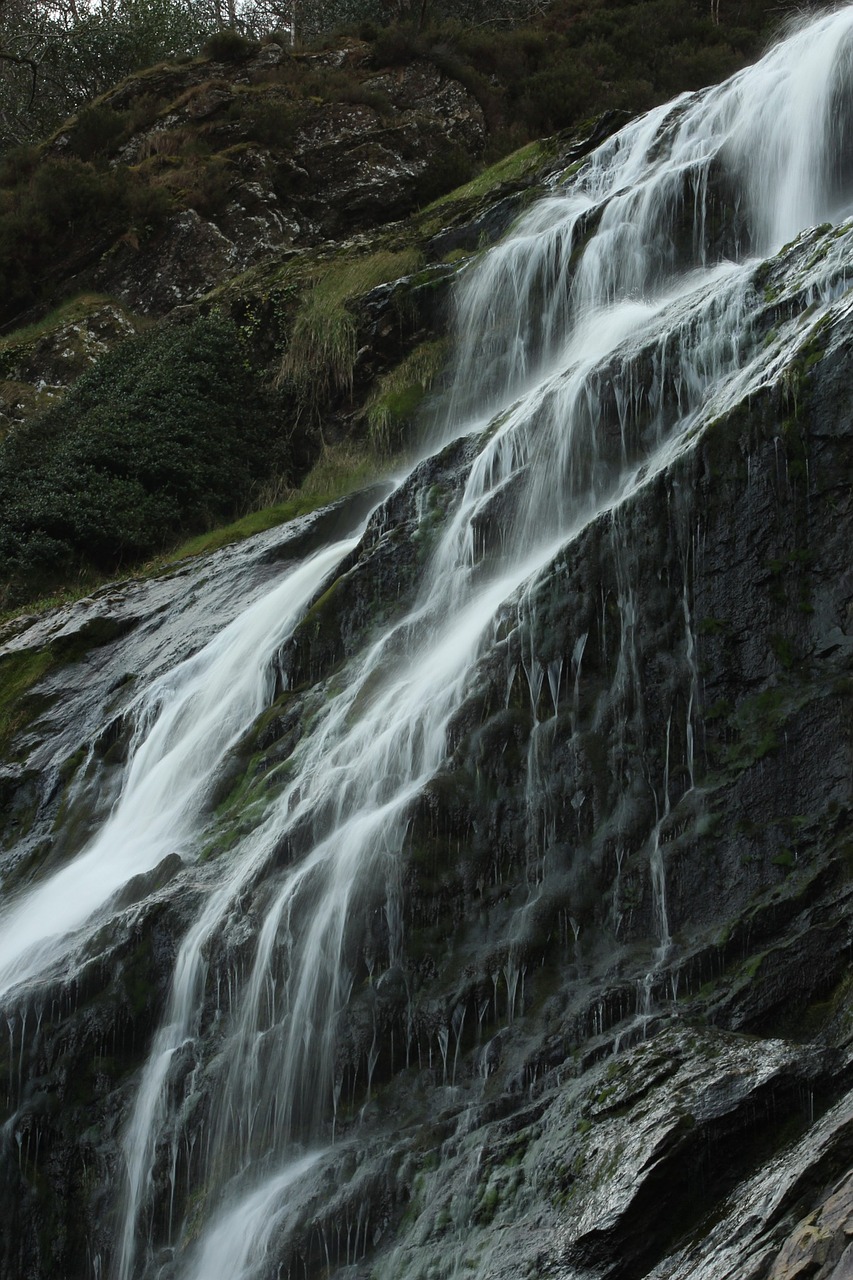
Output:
x=277 y=188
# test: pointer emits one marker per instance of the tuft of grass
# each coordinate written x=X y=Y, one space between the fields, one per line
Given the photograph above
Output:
x=320 y=356
x=399 y=394
x=77 y=308
x=255 y=522
x=341 y=469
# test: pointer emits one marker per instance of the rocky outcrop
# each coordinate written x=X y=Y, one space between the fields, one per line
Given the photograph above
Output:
x=38 y=366
x=326 y=170
x=233 y=167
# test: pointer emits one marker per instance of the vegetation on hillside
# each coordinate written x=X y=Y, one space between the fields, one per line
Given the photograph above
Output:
x=583 y=57
x=63 y=203
x=146 y=450
x=56 y=55
x=168 y=434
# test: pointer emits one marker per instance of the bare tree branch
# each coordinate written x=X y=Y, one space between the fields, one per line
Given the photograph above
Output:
x=24 y=62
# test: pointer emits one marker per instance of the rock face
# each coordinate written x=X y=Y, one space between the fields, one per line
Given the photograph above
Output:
x=37 y=368
x=592 y=1015
x=329 y=169
x=235 y=167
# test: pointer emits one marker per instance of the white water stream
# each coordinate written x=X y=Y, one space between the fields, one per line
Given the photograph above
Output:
x=184 y=726
x=616 y=320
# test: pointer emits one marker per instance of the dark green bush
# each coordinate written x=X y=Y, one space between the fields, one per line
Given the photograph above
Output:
x=265 y=119
x=396 y=46
x=279 y=36
x=229 y=45
x=583 y=57
x=48 y=217
x=148 y=207
x=449 y=167
x=143 y=111
x=17 y=165
x=209 y=187
x=166 y=435
x=556 y=97
x=97 y=130
x=71 y=196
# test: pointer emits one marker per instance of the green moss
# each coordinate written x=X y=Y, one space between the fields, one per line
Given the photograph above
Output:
x=327 y=605
x=19 y=673
x=713 y=626
x=757 y=723
x=512 y=168
x=719 y=710
x=195 y=1215
x=795 y=559
x=486 y=1209
x=783 y=650
x=795 y=378
x=399 y=394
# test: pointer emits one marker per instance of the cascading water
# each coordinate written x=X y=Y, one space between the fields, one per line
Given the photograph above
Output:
x=184 y=725
x=595 y=344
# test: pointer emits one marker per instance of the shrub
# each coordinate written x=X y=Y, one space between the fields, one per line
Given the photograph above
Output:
x=17 y=165
x=165 y=436
x=208 y=186
x=97 y=130
x=449 y=167
x=69 y=195
x=396 y=46
x=556 y=97
x=279 y=36
x=228 y=45
x=48 y=216
x=269 y=120
x=148 y=207
x=143 y=111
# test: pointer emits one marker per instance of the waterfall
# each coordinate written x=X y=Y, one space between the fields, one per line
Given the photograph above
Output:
x=594 y=345
x=183 y=727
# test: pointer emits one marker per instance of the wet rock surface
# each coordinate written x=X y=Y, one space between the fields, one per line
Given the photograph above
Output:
x=618 y=1042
